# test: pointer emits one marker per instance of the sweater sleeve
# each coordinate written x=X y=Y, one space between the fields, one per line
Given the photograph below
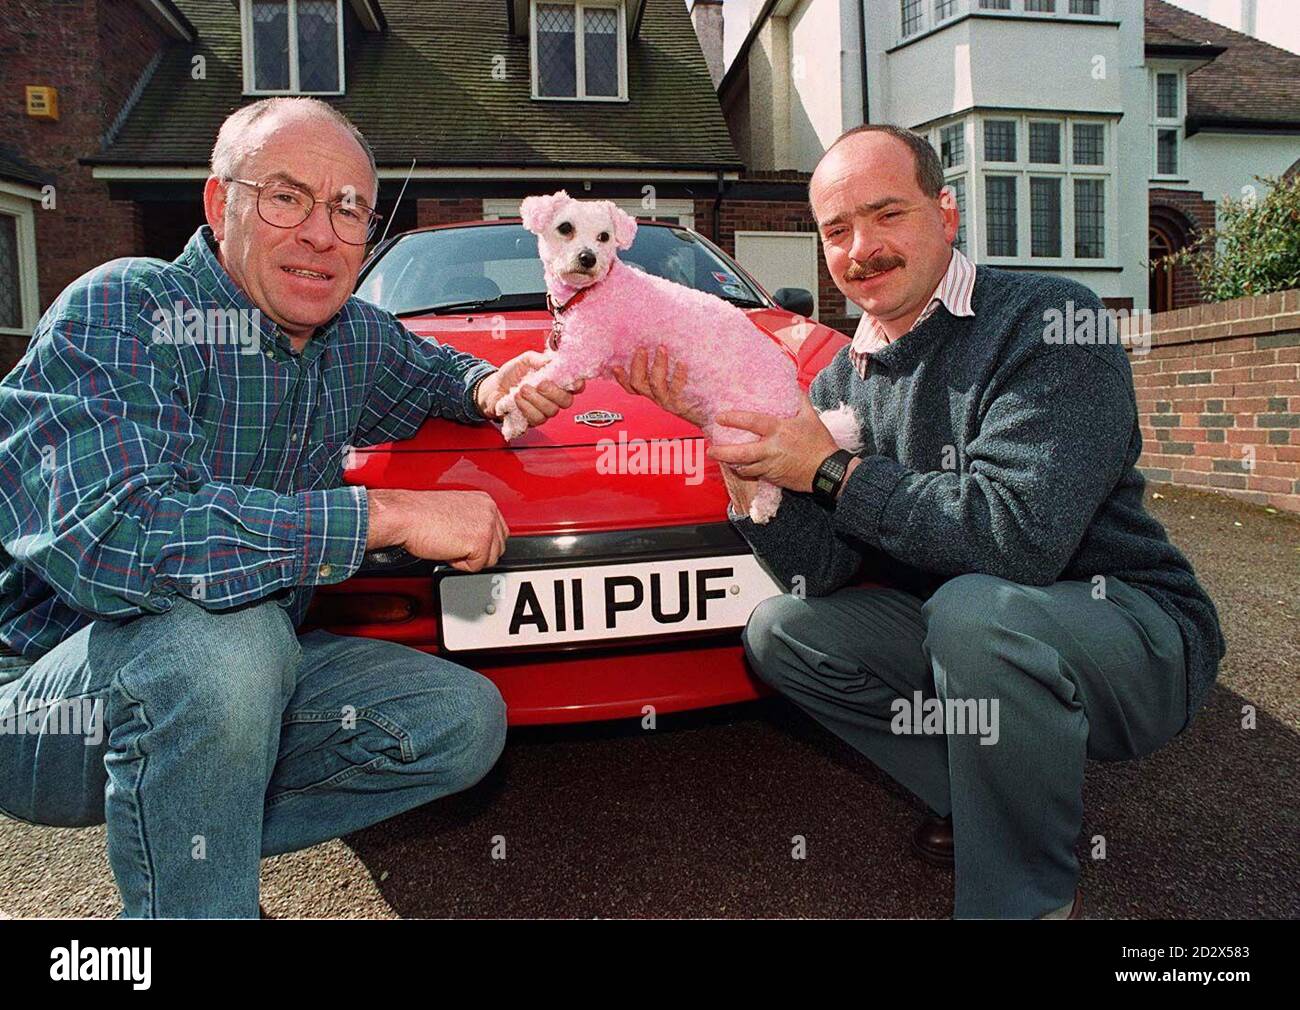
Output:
x=1053 y=442
x=800 y=542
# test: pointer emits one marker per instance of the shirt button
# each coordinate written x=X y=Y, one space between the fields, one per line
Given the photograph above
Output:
x=270 y=353
x=293 y=436
x=326 y=571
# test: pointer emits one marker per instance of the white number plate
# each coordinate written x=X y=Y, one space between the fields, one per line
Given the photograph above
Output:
x=557 y=605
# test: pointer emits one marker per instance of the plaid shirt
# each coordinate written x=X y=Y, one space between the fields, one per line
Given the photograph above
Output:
x=953 y=292
x=138 y=463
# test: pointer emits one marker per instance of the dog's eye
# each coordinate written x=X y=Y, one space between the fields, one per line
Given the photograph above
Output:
x=564 y=228
x=603 y=237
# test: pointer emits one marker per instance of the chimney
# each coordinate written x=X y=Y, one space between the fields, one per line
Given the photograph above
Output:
x=706 y=16
x=1248 y=17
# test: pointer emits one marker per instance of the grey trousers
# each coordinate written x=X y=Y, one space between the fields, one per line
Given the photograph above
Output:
x=984 y=701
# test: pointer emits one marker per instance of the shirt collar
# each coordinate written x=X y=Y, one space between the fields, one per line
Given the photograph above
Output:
x=200 y=259
x=953 y=292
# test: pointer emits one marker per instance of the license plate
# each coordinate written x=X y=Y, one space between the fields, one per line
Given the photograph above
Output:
x=554 y=606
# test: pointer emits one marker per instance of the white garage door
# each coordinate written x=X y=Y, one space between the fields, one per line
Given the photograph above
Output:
x=780 y=259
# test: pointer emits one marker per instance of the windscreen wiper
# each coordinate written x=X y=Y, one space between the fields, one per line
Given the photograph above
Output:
x=446 y=307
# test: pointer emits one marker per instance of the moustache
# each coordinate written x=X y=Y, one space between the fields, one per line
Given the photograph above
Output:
x=857 y=271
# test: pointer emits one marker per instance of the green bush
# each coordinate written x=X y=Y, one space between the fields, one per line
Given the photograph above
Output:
x=1255 y=250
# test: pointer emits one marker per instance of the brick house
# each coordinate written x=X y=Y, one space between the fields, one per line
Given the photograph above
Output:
x=1082 y=137
x=493 y=100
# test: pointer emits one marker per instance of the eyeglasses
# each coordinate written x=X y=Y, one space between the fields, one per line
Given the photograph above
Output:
x=282 y=205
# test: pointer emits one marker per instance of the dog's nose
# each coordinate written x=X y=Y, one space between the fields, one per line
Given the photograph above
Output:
x=587 y=259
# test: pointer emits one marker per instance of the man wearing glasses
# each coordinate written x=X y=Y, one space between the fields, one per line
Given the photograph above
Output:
x=169 y=501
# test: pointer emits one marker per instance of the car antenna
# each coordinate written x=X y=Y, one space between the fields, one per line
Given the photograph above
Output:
x=393 y=216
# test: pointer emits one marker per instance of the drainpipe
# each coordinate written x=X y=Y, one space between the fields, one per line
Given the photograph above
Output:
x=717 y=212
x=862 y=57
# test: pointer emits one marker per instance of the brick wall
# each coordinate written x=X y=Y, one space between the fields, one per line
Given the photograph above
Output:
x=92 y=51
x=1219 y=398
x=434 y=211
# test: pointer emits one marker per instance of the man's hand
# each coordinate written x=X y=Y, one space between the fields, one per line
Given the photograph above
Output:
x=538 y=404
x=651 y=380
x=463 y=528
x=789 y=449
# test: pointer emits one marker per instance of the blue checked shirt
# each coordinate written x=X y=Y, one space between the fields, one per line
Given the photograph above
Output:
x=154 y=443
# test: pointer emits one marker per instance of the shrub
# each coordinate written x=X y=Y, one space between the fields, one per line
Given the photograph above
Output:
x=1255 y=249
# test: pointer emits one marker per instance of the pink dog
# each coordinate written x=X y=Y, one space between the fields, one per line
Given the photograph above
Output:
x=606 y=310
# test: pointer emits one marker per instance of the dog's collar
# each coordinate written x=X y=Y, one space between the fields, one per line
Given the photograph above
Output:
x=555 y=308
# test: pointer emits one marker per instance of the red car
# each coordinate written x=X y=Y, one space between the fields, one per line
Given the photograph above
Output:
x=618 y=588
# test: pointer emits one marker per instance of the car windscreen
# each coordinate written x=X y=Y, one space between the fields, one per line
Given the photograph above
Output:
x=497 y=265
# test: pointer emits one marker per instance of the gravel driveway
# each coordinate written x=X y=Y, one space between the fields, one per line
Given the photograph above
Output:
x=699 y=817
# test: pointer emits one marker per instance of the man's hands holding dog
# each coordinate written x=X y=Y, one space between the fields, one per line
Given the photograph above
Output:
x=650 y=379
x=789 y=449
x=538 y=404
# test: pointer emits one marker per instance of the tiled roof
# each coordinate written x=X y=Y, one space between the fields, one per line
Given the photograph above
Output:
x=425 y=89
x=1251 y=84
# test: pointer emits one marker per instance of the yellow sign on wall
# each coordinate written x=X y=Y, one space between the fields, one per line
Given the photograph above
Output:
x=43 y=102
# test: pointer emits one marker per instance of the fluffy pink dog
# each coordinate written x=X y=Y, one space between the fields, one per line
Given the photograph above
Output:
x=606 y=310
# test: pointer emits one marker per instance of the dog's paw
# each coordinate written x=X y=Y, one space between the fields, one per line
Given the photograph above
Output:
x=513 y=425
x=842 y=423
x=767 y=499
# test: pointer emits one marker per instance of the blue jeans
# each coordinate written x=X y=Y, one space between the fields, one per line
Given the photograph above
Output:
x=1063 y=673
x=206 y=740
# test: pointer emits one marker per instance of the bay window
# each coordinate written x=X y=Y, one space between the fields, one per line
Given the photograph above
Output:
x=1033 y=189
x=915 y=17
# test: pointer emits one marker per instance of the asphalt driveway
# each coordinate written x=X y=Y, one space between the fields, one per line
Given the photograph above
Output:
x=700 y=816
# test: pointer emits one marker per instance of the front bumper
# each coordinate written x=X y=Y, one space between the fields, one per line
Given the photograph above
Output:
x=572 y=682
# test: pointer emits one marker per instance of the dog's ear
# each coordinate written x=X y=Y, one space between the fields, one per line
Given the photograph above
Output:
x=539 y=211
x=624 y=226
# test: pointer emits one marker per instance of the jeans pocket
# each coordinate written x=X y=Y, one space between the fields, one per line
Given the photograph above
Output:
x=319 y=750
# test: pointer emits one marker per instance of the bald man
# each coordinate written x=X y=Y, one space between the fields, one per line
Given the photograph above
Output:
x=170 y=495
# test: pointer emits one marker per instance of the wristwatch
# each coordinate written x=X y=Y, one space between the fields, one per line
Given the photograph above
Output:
x=830 y=475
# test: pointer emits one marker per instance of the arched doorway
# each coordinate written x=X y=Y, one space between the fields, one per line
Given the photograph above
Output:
x=1168 y=232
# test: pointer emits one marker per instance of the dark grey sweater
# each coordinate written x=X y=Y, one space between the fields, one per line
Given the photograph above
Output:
x=1041 y=484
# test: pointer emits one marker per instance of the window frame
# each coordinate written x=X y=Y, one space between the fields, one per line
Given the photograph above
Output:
x=1176 y=123
x=580 y=65
x=295 y=70
x=21 y=209
x=961 y=8
x=958 y=171
x=976 y=170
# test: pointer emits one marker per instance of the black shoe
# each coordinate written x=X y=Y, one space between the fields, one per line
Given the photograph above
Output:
x=932 y=840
